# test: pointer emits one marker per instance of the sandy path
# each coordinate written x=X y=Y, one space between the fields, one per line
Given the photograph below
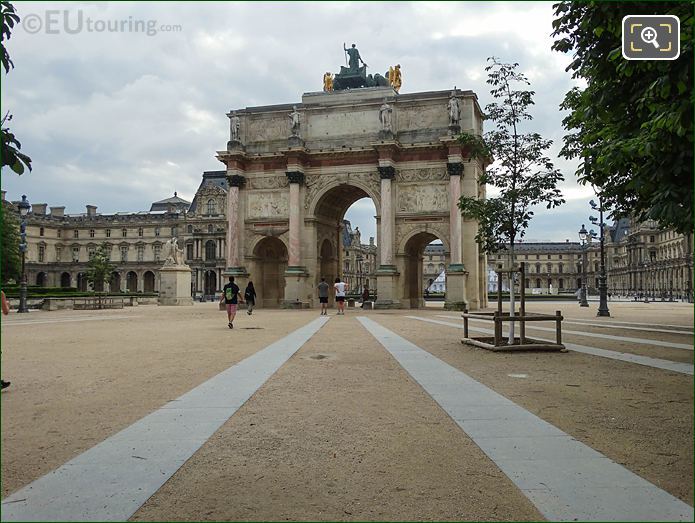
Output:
x=76 y=383
x=341 y=432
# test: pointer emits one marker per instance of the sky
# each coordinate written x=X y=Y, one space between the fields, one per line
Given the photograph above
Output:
x=120 y=104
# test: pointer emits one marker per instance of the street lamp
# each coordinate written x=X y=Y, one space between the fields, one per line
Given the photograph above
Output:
x=602 y=284
x=584 y=238
x=24 y=207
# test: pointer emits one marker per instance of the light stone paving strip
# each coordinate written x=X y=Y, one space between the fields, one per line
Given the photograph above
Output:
x=640 y=341
x=626 y=327
x=564 y=478
x=7 y=323
x=110 y=481
x=658 y=363
x=687 y=328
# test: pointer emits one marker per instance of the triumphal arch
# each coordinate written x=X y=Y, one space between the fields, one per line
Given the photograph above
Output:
x=294 y=169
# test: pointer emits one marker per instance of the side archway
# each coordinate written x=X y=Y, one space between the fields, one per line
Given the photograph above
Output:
x=270 y=256
x=412 y=256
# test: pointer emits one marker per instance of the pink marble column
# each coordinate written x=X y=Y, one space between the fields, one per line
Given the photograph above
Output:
x=386 y=225
x=233 y=220
x=294 y=256
x=455 y=171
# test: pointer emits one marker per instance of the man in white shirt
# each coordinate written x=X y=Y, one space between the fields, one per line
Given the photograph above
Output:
x=340 y=288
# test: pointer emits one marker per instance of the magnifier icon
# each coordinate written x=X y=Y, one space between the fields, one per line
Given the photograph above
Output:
x=648 y=35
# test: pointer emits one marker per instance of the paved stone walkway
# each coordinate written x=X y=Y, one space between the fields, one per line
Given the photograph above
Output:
x=565 y=479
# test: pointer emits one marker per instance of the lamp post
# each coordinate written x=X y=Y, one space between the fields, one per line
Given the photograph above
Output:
x=602 y=283
x=584 y=238
x=24 y=207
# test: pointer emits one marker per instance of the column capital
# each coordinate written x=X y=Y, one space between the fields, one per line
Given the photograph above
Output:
x=236 y=180
x=295 y=176
x=387 y=172
x=454 y=168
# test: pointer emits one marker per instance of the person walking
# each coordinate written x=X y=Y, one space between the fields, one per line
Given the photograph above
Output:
x=250 y=297
x=340 y=287
x=365 y=296
x=231 y=297
x=5 y=311
x=323 y=296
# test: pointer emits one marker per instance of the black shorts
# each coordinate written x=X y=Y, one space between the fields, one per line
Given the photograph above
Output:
x=340 y=298
x=323 y=300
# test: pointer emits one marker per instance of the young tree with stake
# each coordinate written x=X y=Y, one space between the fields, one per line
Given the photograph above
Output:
x=522 y=172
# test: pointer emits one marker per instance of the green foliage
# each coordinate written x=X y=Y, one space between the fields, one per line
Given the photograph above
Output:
x=523 y=173
x=99 y=268
x=634 y=120
x=11 y=260
x=10 y=154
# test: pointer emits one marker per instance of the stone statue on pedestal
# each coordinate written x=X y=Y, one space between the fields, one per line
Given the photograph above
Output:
x=385 y=113
x=454 y=110
x=355 y=58
x=294 y=121
x=173 y=256
x=234 y=128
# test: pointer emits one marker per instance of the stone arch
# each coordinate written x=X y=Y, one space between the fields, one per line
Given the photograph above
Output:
x=436 y=233
x=148 y=281
x=270 y=259
x=355 y=185
x=41 y=279
x=132 y=281
x=115 y=283
x=412 y=252
x=65 y=279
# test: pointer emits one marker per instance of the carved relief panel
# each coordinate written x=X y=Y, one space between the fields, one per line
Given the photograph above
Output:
x=419 y=198
x=267 y=204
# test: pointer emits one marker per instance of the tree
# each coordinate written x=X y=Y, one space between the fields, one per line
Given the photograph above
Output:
x=523 y=173
x=10 y=257
x=99 y=268
x=633 y=123
x=11 y=156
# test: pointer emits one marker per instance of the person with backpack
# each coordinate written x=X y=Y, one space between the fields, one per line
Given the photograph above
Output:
x=231 y=297
x=250 y=297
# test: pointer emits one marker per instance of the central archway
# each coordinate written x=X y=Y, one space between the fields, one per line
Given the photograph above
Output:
x=341 y=251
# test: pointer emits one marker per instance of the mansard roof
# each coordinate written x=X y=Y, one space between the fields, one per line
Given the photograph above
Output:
x=175 y=201
x=216 y=179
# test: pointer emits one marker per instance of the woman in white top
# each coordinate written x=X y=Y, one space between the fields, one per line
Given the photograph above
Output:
x=340 y=287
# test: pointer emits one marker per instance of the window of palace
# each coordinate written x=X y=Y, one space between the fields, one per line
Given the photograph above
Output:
x=538 y=257
x=189 y=251
x=210 y=229
x=42 y=253
x=190 y=229
x=75 y=233
x=538 y=268
x=140 y=231
x=60 y=233
x=210 y=249
x=550 y=267
x=156 y=231
x=108 y=233
x=90 y=252
x=157 y=252
x=141 y=253
x=124 y=254
x=75 y=254
x=526 y=258
x=651 y=239
x=91 y=233
x=561 y=283
x=560 y=269
x=41 y=231
x=538 y=283
x=549 y=257
x=59 y=253
x=124 y=232
x=174 y=232
x=441 y=267
x=212 y=207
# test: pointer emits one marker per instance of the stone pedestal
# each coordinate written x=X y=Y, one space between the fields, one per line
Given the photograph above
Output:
x=386 y=280
x=175 y=285
x=455 y=288
x=298 y=293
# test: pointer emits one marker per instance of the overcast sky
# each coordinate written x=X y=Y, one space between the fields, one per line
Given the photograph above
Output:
x=121 y=119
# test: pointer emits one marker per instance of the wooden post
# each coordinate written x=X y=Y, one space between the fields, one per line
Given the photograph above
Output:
x=465 y=323
x=498 y=328
x=558 y=327
x=522 y=303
